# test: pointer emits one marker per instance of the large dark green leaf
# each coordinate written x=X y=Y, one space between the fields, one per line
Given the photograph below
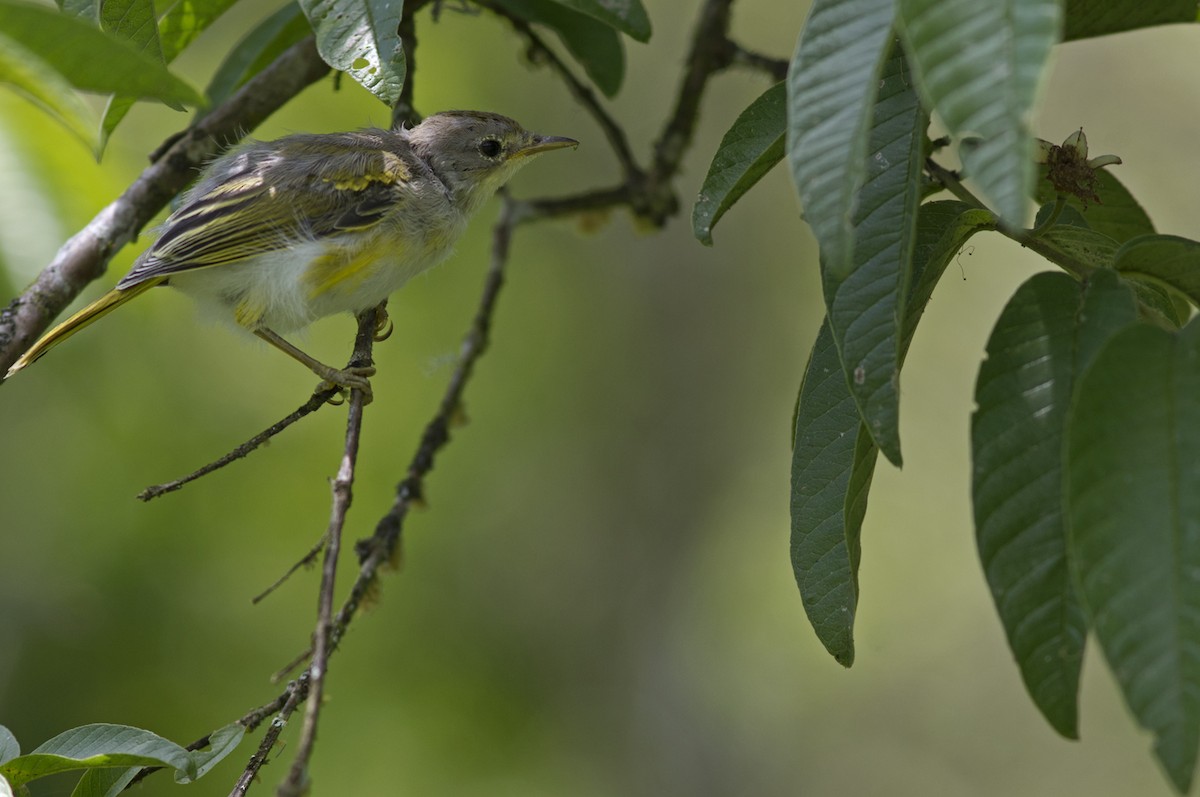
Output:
x=1079 y=250
x=627 y=16
x=748 y=151
x=1097 y=17
x=1165 y=259
x=832 y=83
x=1133 y=498
x=866 y=305
x=362 y=39
x=834 y=457
x=1023 y=392
x=595 y=45
x=980 y=65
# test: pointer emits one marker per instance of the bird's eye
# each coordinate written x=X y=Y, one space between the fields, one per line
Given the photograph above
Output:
x=489 y=148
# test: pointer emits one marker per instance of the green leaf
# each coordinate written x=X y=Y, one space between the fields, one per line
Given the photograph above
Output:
x=105 y=782
x=1164 y=259
x=87 y=58
x=748 y=150
x=1086 y=18
x=135 y=22
x=627 y=16
x=184 y=20
x=9 y=747
x=98 y=745
x=832 y=83
x=1017 y=433
x=595 y=45
x=5 y=787
x=84 y=9
x=980 y=65
x=1118 y=215
x=833 y=458
x=31 y=77
x=362 y=39
x=259 y=48
x=1077 y=249
x=221 y=743
x=110 y=782
x=866 y=305
x=1133 y=498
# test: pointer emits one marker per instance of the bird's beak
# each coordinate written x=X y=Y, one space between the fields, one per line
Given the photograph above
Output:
x=543 y=144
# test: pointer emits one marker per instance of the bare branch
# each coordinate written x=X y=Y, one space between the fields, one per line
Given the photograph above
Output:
x=296 y=692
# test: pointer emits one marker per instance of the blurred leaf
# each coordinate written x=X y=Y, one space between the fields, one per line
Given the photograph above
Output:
x=105 y=782
x=595 y=45
x=748 y=150
x=1166 y=259
x=5 y=787
x=1133 y=501
x=362 y=39
x=1017 y=434
x=832 y=82
x=866 y=305
x=36 y=80
x=84 y=9
x=9 y=747
x=1086 y=18
x=627 y=16
x=833 y=458
x=980 y=65
x=184 y=20
x=87 y=58
x=98 y=745
x=259 y=48
x=1118 y=215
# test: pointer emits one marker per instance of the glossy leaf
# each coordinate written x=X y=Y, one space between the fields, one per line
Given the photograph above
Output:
x=832 y=83
x=362 y=39
x=749 y=149
x=1166 y=259
x=833 y=458
x=1042 y=340
x=866 y=305
x=98 y=745
x=596 y=46
x=256 y=50
x=627 y=16
x=980 y=65
x=1086 y=18
x=1133 y=497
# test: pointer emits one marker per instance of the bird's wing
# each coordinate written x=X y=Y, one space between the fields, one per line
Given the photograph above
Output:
x=334 y=184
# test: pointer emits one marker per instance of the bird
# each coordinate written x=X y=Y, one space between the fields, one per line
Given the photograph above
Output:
x=277 y=234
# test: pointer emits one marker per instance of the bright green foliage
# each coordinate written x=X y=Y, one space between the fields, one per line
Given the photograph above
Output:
x=362 y=39
x=979 y=65
x=750 y=148
x=1133 y=498
x=115 y=752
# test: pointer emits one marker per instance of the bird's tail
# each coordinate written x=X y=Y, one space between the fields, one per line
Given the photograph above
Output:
x=97 y=309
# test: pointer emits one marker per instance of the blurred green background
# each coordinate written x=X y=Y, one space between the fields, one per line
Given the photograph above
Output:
x=598 y=600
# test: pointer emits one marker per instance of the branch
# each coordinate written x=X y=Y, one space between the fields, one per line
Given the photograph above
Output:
x=85 y=256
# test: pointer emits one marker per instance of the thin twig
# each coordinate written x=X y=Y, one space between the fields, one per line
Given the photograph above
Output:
x=777 y=68
x=343 y=485
x=296 y=693
x=304 y=561
x=318 y=399
x=86 y=255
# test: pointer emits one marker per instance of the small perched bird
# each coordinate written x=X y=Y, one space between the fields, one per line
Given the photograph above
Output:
x=277 y=234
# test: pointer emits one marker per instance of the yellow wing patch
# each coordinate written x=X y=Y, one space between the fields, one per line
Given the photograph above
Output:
x=391 y=170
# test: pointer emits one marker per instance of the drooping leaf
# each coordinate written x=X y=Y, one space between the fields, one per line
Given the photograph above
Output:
x=749 y=149
x=1017 y=432
x=1086 y=18
x=362 y=39
x=105 y=782
x=627 y=16
x=1133 y=499
x=834 y=457
x=1118 y=215
x=97 y=745
x=87 y=58
x=111 y=781
x=980 y=65
x=31 y=77
x=866 y=304
x=1166 y=259
x=259 y=48
x=597 y=46
x=832 y=82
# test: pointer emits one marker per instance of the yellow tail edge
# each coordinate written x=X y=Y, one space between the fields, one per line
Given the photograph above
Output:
x=94 y=311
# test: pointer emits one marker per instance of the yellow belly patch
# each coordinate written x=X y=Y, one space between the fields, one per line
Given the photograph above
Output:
x=341 y=269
